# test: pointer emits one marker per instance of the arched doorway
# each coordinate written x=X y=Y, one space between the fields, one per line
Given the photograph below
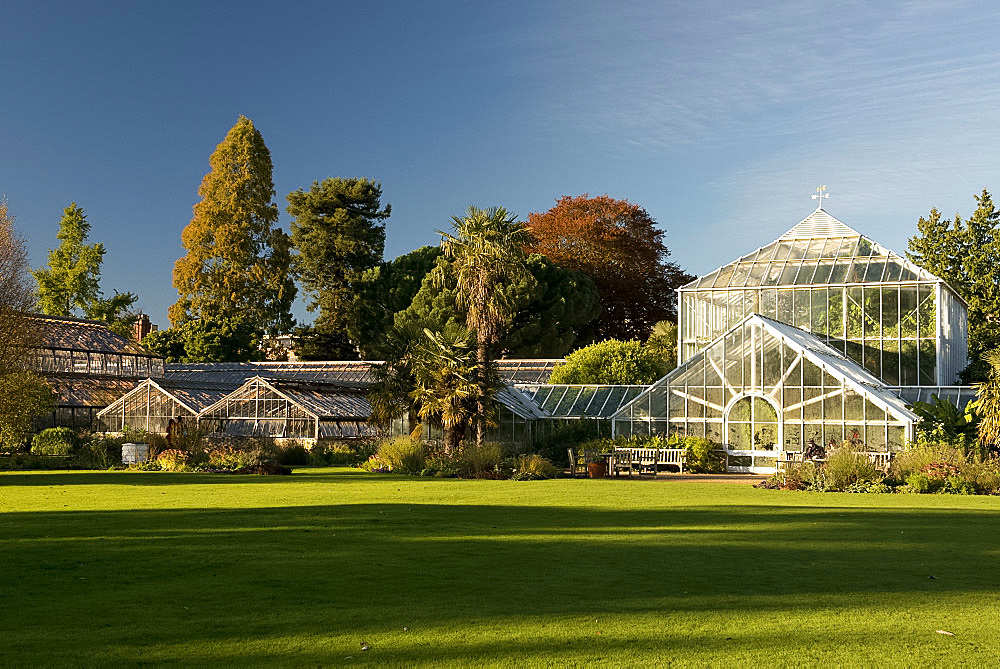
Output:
x=753 y=432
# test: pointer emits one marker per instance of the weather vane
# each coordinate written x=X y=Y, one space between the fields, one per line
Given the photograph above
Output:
x=820 y=194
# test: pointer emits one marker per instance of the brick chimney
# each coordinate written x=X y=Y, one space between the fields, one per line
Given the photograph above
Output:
x=143 y=327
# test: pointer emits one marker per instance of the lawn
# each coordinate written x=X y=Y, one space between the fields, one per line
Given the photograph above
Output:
x=138 y=568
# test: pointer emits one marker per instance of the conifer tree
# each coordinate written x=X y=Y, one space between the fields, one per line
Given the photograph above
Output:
x=338 y=234
x=71 y=281
x=237 y=263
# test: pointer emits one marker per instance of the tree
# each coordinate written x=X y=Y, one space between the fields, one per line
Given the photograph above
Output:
x=70 y=285
x=618 y=245
x=23 y=394
x=553 y=306
x=486 y=252
x=966 y=254
x=987 y=403
x=215 y=340
x=237 y=263
x=447 y=376
x=610 y=362
x=384 y=290
x=338 y=233
x=662 y=343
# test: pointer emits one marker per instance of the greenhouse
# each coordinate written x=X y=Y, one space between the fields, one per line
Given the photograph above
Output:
x=765 y=387
x=286 y=409
x=898 y=321
x=152 y=404
x=88 y=366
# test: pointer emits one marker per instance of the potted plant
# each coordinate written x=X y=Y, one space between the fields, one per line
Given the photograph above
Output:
x=597 y=466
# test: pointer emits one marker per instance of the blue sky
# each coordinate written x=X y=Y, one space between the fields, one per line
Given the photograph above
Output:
x=720 y=118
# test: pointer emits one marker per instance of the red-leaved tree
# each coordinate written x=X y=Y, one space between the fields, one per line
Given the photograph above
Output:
x=619 y=245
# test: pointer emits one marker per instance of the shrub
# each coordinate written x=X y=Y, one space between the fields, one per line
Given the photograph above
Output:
x=922 y=483
x=480 y=461
x=700 y=456
x=230 y=458
x=846 y=466
x=293 y=454
x=558 y=439
x=375 y=465
x=54 y=441
x=172 y=460
x=98 y=452
x=529 y=467
x=918 y=456
x=441 y=466
x=402 y=455
x=342 y=454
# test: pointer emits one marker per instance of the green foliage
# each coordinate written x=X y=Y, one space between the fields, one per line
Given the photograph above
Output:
x=115 y=312
x=71 y=280
x=343 y=454
x=98 y=452
x=610 y=362
x=54 y=441
x=700 y=456
x=384 y=290
x=942 y=422
x=238 y=261
x=532 y=466
x=445 y=373
x=211 y=340
x=486 y=252
x=17 y=296
x=846 y=465
x=557 y=438
x=402 y=455
x=987 y=403
x=173 y=460
x=662 y=343
x=442 y=466
x=70 y=285
x=553 y=307
x=338 y=234
x=966 y=254
x=480 y=461
x=23 y=397
x=319 y=342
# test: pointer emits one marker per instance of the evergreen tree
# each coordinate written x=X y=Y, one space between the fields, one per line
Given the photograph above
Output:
x=966 y=254
x=238 y=263
x=72 y=279
x=338 y=233
x=70 y=285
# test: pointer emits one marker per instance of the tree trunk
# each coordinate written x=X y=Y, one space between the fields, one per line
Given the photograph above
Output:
x=482 y=358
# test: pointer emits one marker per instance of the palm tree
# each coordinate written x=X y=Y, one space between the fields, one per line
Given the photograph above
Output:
x=987 y=403
x=487 y=252
x=444 y=367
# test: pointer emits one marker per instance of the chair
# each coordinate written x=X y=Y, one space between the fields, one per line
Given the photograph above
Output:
x=621 y=461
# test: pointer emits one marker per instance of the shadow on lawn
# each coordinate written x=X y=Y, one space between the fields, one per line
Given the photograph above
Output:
x=140 y=478
x=363 y=572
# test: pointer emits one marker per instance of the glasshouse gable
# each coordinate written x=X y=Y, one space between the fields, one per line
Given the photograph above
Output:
x=822 y=336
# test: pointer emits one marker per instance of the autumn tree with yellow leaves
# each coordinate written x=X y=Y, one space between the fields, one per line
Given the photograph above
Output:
x=237 y=266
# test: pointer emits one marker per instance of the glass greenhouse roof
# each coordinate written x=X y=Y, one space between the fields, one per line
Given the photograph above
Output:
x=820 y=250
x=812 y=349
x=581 y=401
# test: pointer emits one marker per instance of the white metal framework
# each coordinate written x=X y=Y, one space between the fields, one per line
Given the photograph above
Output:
x=898 y=321
x=765 y=387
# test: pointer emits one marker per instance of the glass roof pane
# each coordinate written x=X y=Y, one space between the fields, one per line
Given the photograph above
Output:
x=781 y=252
x=806 y=273
x=823 y=271
x=757 y=273
x=875 y=270
x=725 y=274
x=815 y=249
x=839 y=272
x=848 y=246
x=892 y=269
x=767 y=253
x=857 y=272
x=773 y=274
x=865 y=247
x=830 y=248
x=740 y=275
x=788 y=274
